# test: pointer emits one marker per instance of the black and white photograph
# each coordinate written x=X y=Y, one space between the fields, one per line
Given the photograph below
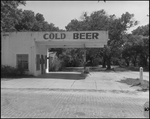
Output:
x=74 y=59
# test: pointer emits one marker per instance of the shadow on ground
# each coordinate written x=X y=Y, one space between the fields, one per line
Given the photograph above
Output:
x=91 y=69
x=101 y=69
x=53 y=75
x=136 y=82
x=59 y=75
x=7 y=78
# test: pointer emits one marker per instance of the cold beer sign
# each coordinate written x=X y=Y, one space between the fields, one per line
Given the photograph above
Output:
x=72 y=39
x=76 y=35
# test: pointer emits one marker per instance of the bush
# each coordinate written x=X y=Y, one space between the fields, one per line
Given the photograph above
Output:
x=20 y=71
x=9 y=71
x=146 y=68
x=95 y=62
x=78 y=63
x=57 y=65
x=122 y=63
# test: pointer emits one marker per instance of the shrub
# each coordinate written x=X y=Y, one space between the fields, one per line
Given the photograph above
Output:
x=56 y=65
x=20 y=71
x=95 y=62
x=9 y=71
x=122 y=63
x=78 y=63
x=86 y=71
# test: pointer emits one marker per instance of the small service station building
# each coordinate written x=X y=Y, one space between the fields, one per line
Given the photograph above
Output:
x=30 y=49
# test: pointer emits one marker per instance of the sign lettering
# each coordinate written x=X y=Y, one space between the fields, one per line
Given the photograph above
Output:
x=47 y=36
x=72 y=39
x=75 y=36
x=85 y=36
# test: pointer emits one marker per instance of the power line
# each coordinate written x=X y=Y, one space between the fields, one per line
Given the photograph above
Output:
x=143 y=20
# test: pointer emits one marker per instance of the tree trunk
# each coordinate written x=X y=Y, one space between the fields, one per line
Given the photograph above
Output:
x=127 y=62
x=104 y=63
x=145 y=61
x=108 y=64
x=134 y=61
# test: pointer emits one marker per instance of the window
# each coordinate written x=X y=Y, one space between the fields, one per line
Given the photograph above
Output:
x=37 y=62
x=22 y=61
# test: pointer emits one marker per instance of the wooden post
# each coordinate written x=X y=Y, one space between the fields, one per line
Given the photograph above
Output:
x=141 y=75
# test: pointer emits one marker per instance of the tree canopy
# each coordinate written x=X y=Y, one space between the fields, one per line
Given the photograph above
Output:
x=15 y=19
x=141 y=30
x=10 y=14
x=100 y=20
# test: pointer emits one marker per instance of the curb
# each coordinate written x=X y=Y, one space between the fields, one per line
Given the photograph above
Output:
x=74 y=90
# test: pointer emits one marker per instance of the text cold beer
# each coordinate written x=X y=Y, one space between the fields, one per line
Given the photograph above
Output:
x=75 y=36
x=54 y=36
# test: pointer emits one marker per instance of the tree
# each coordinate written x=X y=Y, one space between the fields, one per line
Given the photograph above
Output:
x=27 y=22
x=92 y=22
x=117 y=29
x=141 y=30
x=10 y=14
x=39 y=17
x=34 y=22
x=136 y=49
x=14 y=19
x=40 y=23
x=144 y=54
x=100 y=20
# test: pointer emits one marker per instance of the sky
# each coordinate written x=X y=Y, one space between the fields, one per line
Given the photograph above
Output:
x=61 y=13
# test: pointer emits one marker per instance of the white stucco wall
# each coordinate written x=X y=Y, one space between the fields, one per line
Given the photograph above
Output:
x=4 y=49
x=33 y=43
x=18 y=43
x=39 y=49
x=21 y=43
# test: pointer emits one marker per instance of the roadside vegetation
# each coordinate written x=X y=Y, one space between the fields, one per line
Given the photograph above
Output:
x=136 y=82
x=12 y=72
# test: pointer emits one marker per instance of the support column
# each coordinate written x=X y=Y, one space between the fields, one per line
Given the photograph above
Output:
x=84 y=57
x=47 y=68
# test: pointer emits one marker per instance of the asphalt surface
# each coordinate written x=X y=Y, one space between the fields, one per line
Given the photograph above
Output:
x=69 y=104
x=100 y=95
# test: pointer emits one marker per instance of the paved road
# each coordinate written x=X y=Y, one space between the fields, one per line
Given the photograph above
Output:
x=100 y=94
x=73 y=104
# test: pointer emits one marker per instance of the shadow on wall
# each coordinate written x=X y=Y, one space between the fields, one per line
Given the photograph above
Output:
x=59 y=75
x=136 y=82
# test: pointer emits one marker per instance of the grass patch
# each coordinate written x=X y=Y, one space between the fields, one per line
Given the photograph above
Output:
x=136 y=82
x=131 y=68
x=100 y=69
